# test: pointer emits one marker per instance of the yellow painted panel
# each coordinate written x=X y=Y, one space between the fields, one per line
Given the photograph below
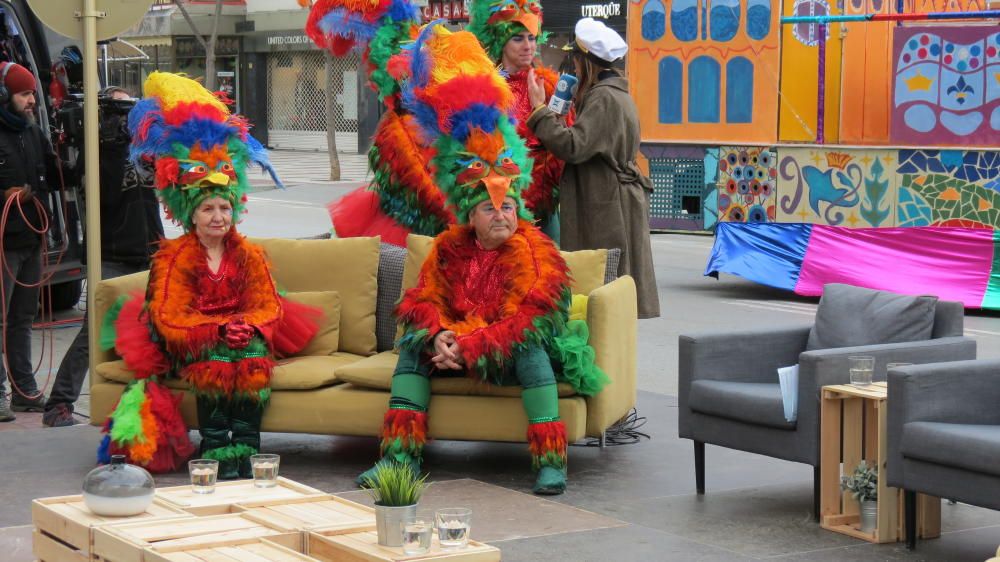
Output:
x=800 y=79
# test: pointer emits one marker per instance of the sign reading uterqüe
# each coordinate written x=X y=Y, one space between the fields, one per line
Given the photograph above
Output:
x=601 y=11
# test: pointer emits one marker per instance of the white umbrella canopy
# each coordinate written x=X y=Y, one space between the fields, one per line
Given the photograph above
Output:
x=121 y=50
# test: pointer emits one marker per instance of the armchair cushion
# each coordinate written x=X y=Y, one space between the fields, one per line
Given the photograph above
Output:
x=851 y=316
x=972 y=447
x=751 y=402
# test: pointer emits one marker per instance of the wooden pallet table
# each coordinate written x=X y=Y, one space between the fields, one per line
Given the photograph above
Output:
x=262 y=550
x=64 y=526
x=232 y=492
x=326 y=512
x=363 y=547
x=130 y=542
x=852 y=428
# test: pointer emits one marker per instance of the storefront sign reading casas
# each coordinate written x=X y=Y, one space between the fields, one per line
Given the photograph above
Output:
x=452 y=10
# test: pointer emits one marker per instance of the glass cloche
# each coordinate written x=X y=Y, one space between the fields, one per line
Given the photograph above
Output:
x=118 y=489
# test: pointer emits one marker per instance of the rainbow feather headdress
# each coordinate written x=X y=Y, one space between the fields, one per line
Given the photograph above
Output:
x=494 y=22
x=198 y=148
x=458 y=100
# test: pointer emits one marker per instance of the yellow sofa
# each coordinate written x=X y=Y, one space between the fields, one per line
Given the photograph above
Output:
x=343 y=389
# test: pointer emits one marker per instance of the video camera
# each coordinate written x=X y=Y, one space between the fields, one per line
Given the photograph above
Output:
x=112 y=118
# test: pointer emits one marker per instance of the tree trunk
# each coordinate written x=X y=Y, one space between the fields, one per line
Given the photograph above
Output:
x=208 y=45
x=331 y=121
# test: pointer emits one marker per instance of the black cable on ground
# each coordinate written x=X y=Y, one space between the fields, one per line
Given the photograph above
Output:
x=624 y=432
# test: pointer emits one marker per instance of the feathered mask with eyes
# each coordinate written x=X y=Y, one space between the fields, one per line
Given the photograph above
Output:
x=197 y=148
x=458 y=99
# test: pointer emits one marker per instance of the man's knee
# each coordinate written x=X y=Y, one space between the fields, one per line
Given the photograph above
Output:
x=533 y=367
x=412 y=362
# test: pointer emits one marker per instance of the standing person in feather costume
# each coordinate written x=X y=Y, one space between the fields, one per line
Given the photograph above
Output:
x=493 y=294
x=404 y=195
x=510 y=31
x=211 y=313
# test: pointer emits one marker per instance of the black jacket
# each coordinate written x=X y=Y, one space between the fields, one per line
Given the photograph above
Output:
x=26 y=159
x=130 y=215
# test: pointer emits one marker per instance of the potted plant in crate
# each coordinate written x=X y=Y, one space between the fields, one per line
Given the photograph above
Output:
x=863 y=484
x=396 y=489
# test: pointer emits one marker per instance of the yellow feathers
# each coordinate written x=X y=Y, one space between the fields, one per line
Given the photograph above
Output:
x=173 y=89
x=460 y=53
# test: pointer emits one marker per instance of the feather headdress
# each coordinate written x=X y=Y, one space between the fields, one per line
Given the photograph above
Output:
x=459 y=100
x=494 y=22
x=196 y=146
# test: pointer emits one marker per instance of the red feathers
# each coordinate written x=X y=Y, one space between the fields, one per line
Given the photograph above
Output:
x=409 y=427
x=133 y=343
x=297 y=326
x=547 y=443
x=167 y=172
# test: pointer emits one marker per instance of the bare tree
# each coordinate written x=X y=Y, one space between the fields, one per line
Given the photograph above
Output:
x=331 y=119
x=208 y=44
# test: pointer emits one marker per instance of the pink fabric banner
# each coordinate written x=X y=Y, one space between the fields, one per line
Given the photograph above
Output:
x=952 y=263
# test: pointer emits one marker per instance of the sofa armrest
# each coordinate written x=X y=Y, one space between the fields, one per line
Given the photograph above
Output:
x=611 y=317
x=107 y=293
x=955 y=392
x=822 y=367
x=739 y=355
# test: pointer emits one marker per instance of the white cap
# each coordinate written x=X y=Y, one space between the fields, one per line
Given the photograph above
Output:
x=594 y=37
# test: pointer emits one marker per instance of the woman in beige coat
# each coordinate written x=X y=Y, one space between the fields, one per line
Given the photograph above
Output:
x=604 y=198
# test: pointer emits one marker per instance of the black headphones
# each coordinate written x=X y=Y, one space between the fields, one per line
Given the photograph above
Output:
x=4 y=94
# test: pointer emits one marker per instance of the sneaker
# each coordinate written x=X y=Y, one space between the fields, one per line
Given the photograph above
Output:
x=60 y=416
x=5 y=414
x=20 y=403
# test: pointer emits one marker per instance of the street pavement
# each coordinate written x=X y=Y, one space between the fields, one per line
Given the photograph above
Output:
x=627 y=503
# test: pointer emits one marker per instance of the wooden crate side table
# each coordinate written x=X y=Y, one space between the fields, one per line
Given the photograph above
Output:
x=363 y=547
x=861 y=411
x=232 y=492
x=262 y=550
x=127 y=542
x=64 y=526
x=307 y=513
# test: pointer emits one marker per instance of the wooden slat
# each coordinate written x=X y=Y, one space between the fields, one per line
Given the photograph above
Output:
x=227 y=494
x=888 y=498
x=364 y=547
x=829 y=456
x=851 y=440
x=928 y=516
x=47 y=549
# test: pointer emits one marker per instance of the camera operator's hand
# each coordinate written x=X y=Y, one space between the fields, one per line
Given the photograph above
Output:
x=23 y=193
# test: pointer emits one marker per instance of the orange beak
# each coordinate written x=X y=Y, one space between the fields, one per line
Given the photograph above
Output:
x=496 y=186
x=529 y=21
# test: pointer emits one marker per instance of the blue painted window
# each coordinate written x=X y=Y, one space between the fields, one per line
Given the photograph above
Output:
x=684 y=19
x=739 y=90
x=725 y=19
x=703 y=90
x=758 y=19
x=671 y=88
x=654 y=20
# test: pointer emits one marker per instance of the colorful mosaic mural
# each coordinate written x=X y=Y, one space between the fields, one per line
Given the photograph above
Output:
x=948 y=188
x=853 y=188
x=946 y=89
x=747 y=184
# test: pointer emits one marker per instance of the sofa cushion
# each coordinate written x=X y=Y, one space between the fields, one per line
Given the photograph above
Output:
x=587 y=268
x=850 y=316
x=972 y=447
x=348 y=266
x=293 y=373
x=328 y=336
x=376 y=373
x=390 y=282
x=751 y=402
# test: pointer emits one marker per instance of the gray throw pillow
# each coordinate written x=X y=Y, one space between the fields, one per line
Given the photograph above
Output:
x=849 y=316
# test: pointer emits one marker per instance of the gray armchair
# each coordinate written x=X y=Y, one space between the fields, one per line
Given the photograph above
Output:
x=943 y=431
x=728 y=392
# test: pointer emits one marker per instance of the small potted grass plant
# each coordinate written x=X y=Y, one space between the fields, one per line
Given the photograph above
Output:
x=395 y=488
x=863 y=484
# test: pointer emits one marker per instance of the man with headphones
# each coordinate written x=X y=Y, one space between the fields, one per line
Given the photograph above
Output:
x=130 y=233
x=27 y=172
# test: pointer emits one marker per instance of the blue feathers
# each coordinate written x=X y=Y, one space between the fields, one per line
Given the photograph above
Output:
x=349 y=24
x=476 y=116
x=258 y=155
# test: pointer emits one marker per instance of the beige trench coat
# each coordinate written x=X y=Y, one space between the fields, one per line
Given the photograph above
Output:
x=603 y=197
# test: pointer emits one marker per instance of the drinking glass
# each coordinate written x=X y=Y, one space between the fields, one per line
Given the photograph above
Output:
x=416 y=536
x=453 y=525
x=862 y=367
x=265 y=470
x=204 y=473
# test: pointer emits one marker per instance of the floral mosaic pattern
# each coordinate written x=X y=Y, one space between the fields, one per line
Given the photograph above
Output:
x=747 y=184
